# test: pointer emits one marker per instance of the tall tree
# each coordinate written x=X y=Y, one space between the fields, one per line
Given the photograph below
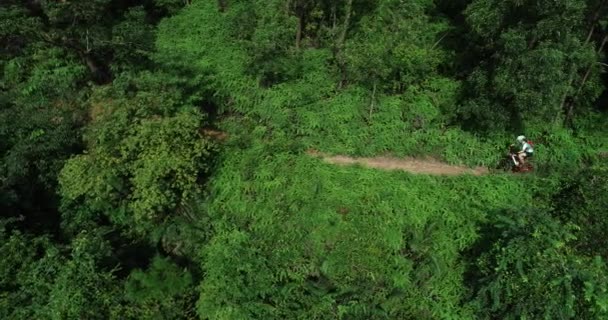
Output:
x=533 y=55
x=145 y=159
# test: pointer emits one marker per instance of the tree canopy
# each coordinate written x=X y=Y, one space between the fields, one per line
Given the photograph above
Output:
x=156 y=159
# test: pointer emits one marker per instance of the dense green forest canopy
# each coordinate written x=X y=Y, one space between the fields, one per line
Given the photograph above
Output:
x=154 y=159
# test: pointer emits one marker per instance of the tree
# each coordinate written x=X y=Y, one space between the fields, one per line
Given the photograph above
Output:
x=49 y=53
x=529 y=54
x=163 y=291
x=531 y=271
x=45 y=280
x=581 y=201
x=396 y=46
x=145 y=161
x=40 y=114
x=101 y=34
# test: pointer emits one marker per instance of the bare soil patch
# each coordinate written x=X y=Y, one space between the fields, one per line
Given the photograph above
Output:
x=413 y=165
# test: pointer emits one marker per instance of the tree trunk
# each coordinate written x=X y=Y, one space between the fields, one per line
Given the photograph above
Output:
x=100 y=73
x=342 y=37
x=223 y=5
x=372 y=104
x=301 y=9
x=594 y=20
x=340 y=42
x=599 y=51
x=532 y=42
x=287 y=8
x=299 y=31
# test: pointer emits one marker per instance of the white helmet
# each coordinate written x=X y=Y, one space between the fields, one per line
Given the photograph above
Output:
x=521 y=139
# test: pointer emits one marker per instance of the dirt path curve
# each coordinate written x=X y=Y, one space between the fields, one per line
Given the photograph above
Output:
x=420 y=166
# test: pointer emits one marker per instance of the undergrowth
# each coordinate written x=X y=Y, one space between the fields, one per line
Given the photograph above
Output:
x=352 y=120
x=407 y=230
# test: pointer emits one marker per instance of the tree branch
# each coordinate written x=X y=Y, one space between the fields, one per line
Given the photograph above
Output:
x=583 y=82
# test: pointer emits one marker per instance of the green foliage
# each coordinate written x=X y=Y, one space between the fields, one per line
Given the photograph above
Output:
x=203 y=58
x=80 y=289
x=39 y=120
x=42 y=280
x=395 y=46
x=121 y=206
x=19 y=254
x=132 y=40
x=308 y=106
x=531 y=272
x=582 y=201
x=294 y=236
x=529 y=69
x=171 y=6
x=161 y=292
x=162 y=280
x=145 y=161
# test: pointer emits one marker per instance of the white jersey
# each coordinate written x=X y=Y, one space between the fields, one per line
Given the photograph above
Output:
x=527 y=148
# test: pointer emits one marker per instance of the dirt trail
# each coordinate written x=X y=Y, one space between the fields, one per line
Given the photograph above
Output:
x=421 y=166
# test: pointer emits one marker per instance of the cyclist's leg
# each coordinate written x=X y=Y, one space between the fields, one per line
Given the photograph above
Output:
x=522 y=158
